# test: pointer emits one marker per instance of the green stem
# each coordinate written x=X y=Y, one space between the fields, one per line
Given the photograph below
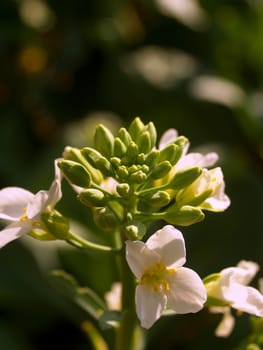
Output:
x=83 y=243
x=129 y=335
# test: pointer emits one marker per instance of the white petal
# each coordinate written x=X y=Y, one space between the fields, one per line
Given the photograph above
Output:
x=226 y=325
x=253 y=303
x=54 y=193
x=251 y=269
x=197 y=159
x=37 y=204
x=13 y=201
x=149 y=305
x=12 y=232
x=140 y=257
x=168 y=242
x=187 y=292
x=169 y=136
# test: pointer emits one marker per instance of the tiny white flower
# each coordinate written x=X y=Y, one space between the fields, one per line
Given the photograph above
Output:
x=22 y=209
x=163 y=281
x=232 y=288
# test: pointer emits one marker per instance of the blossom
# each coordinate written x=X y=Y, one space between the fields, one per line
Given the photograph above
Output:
x=163 y=281
x=207 y=192
x=22 y=209
x=231 y=288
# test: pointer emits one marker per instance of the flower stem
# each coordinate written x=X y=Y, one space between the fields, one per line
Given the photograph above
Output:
x=129 y=336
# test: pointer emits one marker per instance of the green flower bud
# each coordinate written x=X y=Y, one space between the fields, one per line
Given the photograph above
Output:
x=136 y=128
x=161 y=170
x=115 y=161
x=153 y=134
x=105 y=219
x=72 y=153
x=152 y=158
x=98 y=161
x=184 y=178
x=181 y=142
x=92 y=197
x=183 y=216
x=124 y=136
x=158 y=199
x=119 y=148
x=170 y=152
x=131 y=154
x=56 y=224
x=144 y=142
x=135 y=230
x=75 y=173
x=140 y=158
x=122 y=172
x=137 y=177
x=104 y=140
x=123 y=189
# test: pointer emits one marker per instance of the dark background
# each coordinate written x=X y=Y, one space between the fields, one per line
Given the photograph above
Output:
x=66 y=66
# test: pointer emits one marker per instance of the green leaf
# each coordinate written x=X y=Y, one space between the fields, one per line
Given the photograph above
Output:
x=84 y=297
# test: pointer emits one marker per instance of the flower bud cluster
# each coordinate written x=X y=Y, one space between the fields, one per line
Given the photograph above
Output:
x=128 y=181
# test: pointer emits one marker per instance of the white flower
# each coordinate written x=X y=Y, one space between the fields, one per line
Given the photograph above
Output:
x=231 y=287
x=163 y=281
x=22 y=209
x=207 y=192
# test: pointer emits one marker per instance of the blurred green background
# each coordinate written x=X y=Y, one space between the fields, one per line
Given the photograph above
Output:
x=65 y=66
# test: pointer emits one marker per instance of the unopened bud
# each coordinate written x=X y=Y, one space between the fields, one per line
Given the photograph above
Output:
x=184 y=178
x=74 y=154
x=137 y=177
x=105 y=219
x=97 y=160
x=119 y=148
x=124 y=136
x=158 y=199
x=183 y=216
x=104 y=140
x=75 y=173
x=161 y=170
x=153 y=134
x=152 y=158
x=144 y=142
x=123 y=189
x=92 y=197
x=56 y=224
x=136 y=128
x=170 y=152
x=135 y=230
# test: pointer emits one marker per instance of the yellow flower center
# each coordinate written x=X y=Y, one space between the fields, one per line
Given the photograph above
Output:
x=157 y=277
x=24 y=217
x=34 y=223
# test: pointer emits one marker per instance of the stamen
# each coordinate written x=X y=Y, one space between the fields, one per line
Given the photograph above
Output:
x=156 y=277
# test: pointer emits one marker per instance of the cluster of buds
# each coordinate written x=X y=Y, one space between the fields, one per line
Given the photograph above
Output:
x=129 y=182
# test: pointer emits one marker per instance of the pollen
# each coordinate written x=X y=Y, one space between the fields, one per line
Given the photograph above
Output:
x=24 y=217
x=157 y=277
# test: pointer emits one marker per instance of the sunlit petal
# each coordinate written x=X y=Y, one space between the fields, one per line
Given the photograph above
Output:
x=13 y=201
x=169 y=136
x=140 y=257
x=168 y=242
x=187 y=292
x=12 y=232
x=149 y=305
